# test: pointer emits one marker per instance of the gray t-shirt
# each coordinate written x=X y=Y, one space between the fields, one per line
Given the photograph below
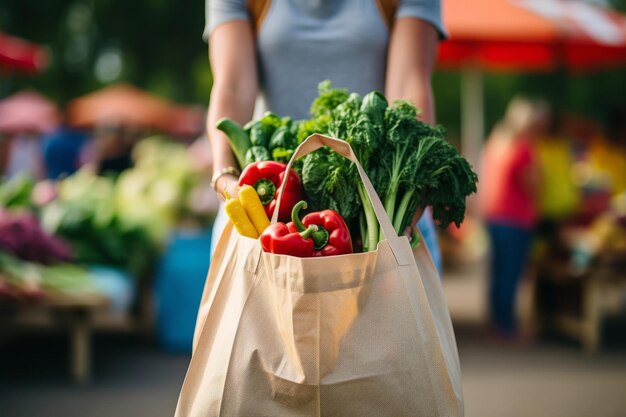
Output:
x=303 y=42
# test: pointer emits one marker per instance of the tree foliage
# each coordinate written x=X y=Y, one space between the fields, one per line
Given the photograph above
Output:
x=158 y=43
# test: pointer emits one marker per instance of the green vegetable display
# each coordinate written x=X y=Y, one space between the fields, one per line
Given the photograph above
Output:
x=17 y=191
x=20 y=278
x=121 y=222
x=85 y=215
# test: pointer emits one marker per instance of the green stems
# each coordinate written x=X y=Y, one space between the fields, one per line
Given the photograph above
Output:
x=401 y=213
x=363 y=230
x=370 y=220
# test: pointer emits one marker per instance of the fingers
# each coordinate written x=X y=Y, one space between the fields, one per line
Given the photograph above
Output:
x=417 y=216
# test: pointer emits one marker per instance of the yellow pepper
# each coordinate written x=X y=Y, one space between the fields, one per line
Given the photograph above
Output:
x=254 y=208
x=237 y=215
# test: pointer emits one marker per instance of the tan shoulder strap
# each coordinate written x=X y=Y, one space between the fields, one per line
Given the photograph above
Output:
x=258 y=9
x=388 y=10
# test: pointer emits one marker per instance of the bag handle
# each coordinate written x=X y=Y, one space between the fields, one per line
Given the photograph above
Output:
x=317 y=141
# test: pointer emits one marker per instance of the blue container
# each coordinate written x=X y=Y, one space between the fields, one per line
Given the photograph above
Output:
x=118 y=286
x=180 y=278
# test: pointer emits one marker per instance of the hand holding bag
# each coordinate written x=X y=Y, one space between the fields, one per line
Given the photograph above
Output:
x=364 y=334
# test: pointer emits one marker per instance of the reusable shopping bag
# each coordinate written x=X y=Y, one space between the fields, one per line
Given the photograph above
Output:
x=364 y=334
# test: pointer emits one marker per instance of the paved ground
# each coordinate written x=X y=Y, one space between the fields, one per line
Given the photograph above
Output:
x=551 y=378
x=130 y=378
x=134 y=379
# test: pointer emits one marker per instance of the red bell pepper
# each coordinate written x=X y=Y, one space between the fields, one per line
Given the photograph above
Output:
x=281 y=238
x=332 y=236
x=266 y=177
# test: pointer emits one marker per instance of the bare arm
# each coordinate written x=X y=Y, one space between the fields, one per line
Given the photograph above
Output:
x=233 y=62
x=410 y=62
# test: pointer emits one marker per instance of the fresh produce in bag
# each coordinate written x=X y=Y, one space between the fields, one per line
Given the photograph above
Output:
x=266 y=178
x=281 y=239
x=322 y=233
x=410 y=164
x=238 y=217
x=254 y=208
x=246 y=212
x=364 y=334
x=269 y=138
x=332 y=236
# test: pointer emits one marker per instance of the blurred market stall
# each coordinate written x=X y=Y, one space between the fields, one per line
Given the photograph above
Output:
x=120 y=114
x=524 y=35
x=118 y=243
x=551 y=35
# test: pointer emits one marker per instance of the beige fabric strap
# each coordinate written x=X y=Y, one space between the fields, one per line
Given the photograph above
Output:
x=258 y=10
x=316 y=141
x=388 y=9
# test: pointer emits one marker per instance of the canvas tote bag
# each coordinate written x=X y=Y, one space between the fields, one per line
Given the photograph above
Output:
x=364 y=334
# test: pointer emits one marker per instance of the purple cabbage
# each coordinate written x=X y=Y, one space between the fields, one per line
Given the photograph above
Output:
x=22 y=236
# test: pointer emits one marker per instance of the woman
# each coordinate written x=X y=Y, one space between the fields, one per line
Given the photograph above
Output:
x=283 y=48
x=509 y=193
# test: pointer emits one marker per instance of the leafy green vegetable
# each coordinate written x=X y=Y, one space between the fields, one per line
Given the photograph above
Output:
x=282 y=155
x=425 y=170
x=347 y=119
x=260 y=134
x=256 y=154
x=272 y=138
x=272 y=120
x=237 y=138
x=328 y=98
x=321 y=109
x=410 y=163
x=282 y=138
x=329 y=183
x=262 y=130
x=317 y=124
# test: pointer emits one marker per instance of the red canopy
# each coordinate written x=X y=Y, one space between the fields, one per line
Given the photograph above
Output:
x=532 y=35
x=120 y=104
x=126 y=105
x=18 y=54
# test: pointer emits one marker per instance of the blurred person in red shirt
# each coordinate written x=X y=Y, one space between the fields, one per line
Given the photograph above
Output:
x=508 y=198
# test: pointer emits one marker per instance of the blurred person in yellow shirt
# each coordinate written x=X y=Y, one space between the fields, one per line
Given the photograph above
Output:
x=559 y=197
